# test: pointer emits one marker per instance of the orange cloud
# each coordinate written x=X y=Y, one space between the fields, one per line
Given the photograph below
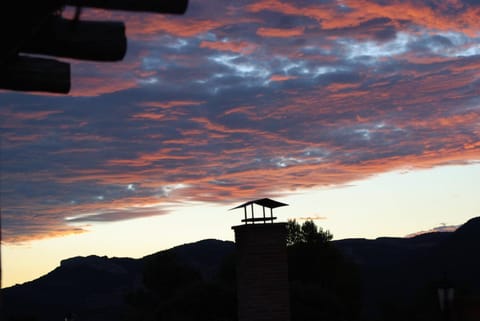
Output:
x=143 y=24
x=49 y=232
x=280 y=33
x=147 y=159
x=150 y=116
x=170 y=104
x=361 y=11
x=282 y=77
x=140 y=25
x=242 y=47
x=249 y=110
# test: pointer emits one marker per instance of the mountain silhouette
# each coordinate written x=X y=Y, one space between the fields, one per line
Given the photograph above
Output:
x=410 y=270
x=95 y=287
x=405 y=270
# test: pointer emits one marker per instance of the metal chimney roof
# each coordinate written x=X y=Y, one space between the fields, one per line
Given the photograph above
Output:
x=263 y=202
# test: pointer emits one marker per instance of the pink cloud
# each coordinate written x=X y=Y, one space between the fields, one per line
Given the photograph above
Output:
x=280 y=33
x=170 y=104
x=441 y=228
x=282 y=78
x=233 y=46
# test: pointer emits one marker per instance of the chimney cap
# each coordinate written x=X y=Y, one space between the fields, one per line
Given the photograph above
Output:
x=265 y=202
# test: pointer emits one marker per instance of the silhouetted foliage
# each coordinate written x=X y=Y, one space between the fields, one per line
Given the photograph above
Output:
x=324 y=285
x=175 y=291
x=307 y=233
x=204 y=301
x=164 y=274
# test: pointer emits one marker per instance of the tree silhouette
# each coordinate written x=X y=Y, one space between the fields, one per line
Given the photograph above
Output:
x=324 y=285
x=307 y=233
x=175 y=291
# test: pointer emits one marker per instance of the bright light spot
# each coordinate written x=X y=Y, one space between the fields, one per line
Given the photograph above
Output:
x=324 y=70
x=374 y=49
x=130 y=187
x=168 y=189
x=242 y=68
x=365 y=133
x=224 y=59
x=81 y=216
x=471 y=51
x=283 y=161
x=148 y=81
x=290 y=66
x=245 y=68
x=177 y=43
x=380 y=125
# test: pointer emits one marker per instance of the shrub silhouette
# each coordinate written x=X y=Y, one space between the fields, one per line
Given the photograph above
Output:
x=177 y=292
x=324 y=285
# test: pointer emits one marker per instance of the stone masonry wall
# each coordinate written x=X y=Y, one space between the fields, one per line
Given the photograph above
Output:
x=262 y=272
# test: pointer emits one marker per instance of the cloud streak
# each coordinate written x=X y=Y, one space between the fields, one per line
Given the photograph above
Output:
x=438 y=229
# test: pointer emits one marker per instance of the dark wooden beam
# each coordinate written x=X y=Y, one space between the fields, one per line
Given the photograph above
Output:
x=19 y=21
x=87 y=40
x=25 y=73
x=155 y=6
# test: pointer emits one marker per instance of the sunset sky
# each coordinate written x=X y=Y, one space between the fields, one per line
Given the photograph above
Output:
x=361 y=114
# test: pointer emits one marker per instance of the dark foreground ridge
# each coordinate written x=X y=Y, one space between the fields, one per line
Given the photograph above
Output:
x=398 y=277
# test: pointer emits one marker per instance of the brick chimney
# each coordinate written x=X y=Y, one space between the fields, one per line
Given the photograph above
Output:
x=262 y=268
